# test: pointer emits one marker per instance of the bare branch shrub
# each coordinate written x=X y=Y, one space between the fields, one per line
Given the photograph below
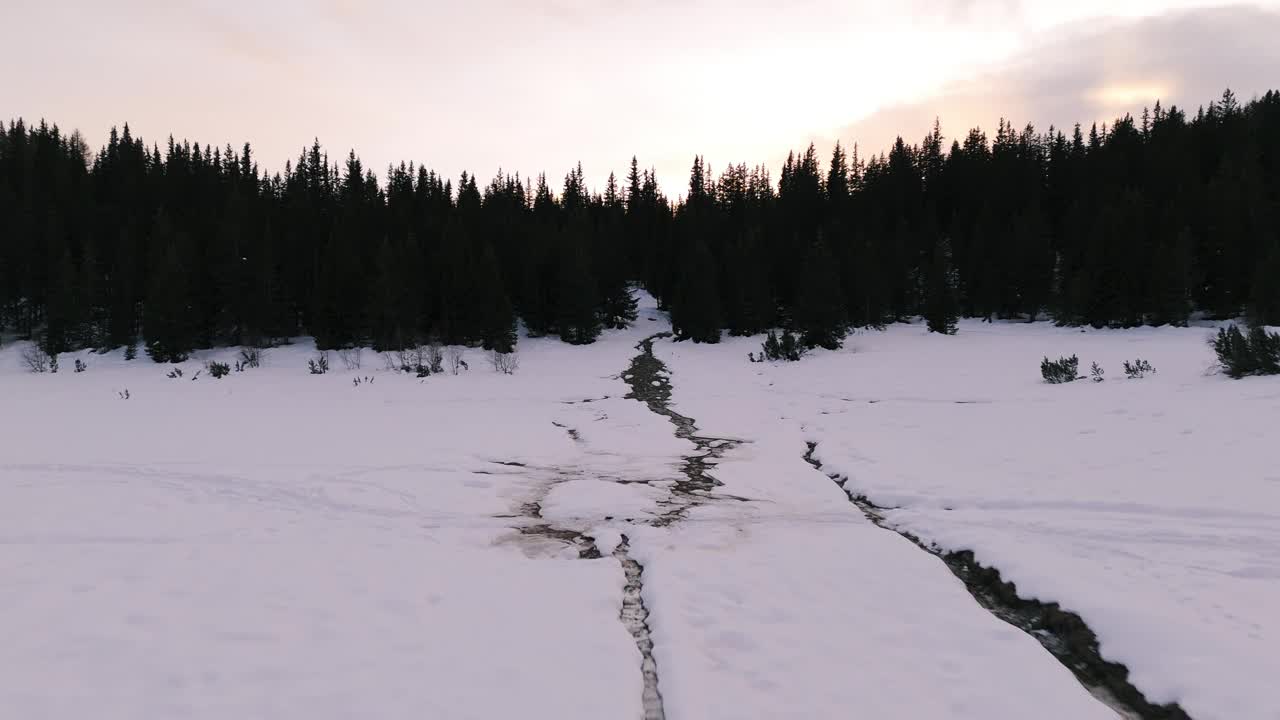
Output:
x=350 y=357
x=453 y=359
x=433 y=357
x=35 y=359
x=421 y=360
x=404 y=360
x=505 y=363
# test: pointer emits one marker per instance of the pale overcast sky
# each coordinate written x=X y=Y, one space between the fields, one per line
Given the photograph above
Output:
x=542 y=84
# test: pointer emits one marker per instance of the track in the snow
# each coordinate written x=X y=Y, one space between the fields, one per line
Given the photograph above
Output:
x=1063 y=633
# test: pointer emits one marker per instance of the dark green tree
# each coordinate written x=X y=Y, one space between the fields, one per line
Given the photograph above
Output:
x=941 y=304
x=819 y=313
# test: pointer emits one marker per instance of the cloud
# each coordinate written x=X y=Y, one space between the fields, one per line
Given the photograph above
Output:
x=1097 y=71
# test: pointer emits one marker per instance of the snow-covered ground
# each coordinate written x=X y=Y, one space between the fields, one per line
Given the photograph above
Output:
x=281 y=545
x=1151 y=507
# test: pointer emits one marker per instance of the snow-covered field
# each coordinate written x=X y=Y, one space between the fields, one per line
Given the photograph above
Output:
x=281 y=545
x=1151 y=507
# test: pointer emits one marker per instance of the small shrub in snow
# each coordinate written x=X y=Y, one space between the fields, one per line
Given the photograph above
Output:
x=785 y=347
x=251 y=358
x=1257 y=353
x=124 y=394
x=319 y=365
x=218 y=370
x=1097 y=373
x=505 y=363
x=453 y=360
x=406 y=361
x=35 y=358
x=80 y=366
x=433 y=357
x=1138 y=369
x=196 y=376
x=130 y=352
x=174 y=374
x=1062 y=370
x=350 y=357
x=422 y=360
x=53 y=363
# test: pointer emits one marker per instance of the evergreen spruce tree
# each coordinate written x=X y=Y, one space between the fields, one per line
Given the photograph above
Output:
x=60 y=306
x=941 y=305
x=167 y=319
x=1264 y=308
x=1171 y=282
x=496 y=322
x=695 y=309
x=538 y=266
x=577 y=318
x=122 y=290
x=617 y=303
x=819 y=313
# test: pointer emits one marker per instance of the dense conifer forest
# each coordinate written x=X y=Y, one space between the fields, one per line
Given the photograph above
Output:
x=185 y=246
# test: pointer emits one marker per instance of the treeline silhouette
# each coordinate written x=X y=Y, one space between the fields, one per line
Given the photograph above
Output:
x=1143 y=222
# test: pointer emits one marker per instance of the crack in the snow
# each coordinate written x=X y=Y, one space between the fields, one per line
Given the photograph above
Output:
x=574 y=435
x=651 y=384
x=1063 y=633
x=635 y=616
x=538 y=527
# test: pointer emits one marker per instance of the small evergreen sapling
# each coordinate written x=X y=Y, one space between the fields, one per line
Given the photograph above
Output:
x=785 y=347
x=81 y=366
x=1138 y=369
x=1097 y=373
x=251 y=357
x=1257 y=353
x=319 y=365
x=218 y=370
x=1062 y=370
